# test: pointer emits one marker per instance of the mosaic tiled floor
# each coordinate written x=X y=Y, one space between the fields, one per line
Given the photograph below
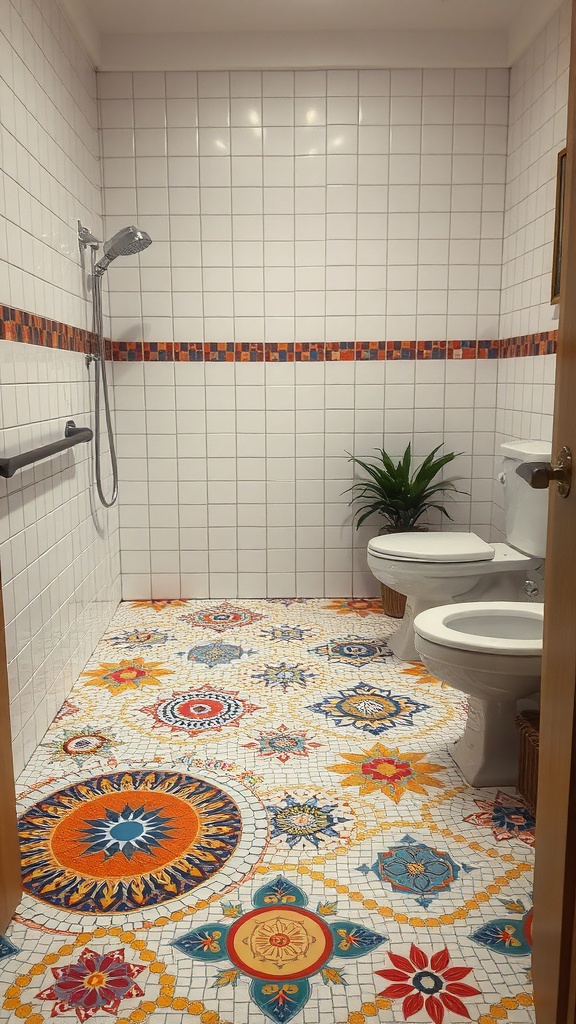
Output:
x=247 y=812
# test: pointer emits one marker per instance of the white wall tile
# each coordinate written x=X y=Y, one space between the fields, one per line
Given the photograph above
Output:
x=537 y=131
x=368 y=194
x=59 y=556
x=365 y=231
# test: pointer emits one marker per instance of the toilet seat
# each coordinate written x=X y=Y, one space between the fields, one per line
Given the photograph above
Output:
x=492 y=627
x=431 y=547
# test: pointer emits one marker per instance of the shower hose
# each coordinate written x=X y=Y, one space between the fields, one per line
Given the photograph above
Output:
x=100 y=379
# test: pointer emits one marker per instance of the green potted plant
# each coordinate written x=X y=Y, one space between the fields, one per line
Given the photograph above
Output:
x=401 y=495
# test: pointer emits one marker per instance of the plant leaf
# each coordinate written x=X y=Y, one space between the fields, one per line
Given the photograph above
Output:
x=399 y=495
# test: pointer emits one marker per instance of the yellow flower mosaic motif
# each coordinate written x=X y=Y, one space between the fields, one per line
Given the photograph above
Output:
x=418 y=671
x=387 y=770
x=361 y=606
x=132 y=674
x=158 y=605
x=280 y=941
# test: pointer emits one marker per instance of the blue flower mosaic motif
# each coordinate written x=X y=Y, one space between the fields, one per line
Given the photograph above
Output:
x=129 y=831
x=134 y=639
x=283 y=743
x=354 y=650
x=284 y=676
x=506 y=935
x=417 y=870
x=369 y=709
x=286 y=633
x=211 y=655
x=7 y=948
x=304 y=821
x=279 y=945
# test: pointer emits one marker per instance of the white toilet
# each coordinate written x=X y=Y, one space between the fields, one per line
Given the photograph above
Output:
x=492 y=651
x=435 y=568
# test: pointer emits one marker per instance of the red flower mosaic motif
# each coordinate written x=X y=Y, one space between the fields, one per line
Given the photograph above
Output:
x=66 y=709
x=98 y=982
x=507 y=817
x=221 y=617
x=387 y=769
x=428 y=984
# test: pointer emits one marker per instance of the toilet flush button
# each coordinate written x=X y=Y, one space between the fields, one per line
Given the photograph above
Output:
x=501 y=478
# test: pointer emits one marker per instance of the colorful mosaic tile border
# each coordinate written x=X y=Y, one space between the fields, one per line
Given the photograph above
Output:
x=331 y=351
x=30 y=329
x=27 y=328
x=529 y=345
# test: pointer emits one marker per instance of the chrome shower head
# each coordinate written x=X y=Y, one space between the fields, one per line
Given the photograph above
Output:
x=125 y=242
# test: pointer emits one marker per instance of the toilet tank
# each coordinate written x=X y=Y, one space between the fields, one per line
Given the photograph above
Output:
x=526 y=509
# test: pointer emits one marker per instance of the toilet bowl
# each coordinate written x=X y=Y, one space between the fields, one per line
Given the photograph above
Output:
x=493 y=652
x=499 y=574
x=434 y=568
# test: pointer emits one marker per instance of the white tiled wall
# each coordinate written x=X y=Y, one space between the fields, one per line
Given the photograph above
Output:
x=49 y=173
x=525 y=398
x=538 y=98
x=233 y=475
x=333 y=205
x=525 y=405
x=321 y=206
x=295 y=206
x=58 y=554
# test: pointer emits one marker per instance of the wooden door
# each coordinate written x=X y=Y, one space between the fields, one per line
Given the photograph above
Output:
x=10 y=877
x=554 y=962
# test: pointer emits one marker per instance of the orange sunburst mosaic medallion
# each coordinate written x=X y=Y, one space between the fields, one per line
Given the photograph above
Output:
x=127 y=840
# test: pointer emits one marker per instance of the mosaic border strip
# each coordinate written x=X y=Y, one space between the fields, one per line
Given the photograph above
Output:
x=529 y=345
x=30 y=329
x=541 y=344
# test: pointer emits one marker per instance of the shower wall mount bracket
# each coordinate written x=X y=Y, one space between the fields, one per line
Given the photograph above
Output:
x=86 y=239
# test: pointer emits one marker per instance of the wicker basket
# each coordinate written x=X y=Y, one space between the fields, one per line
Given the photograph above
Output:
x=393 y=603
x=528 y=723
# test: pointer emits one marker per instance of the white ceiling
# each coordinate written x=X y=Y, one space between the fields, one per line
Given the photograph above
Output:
x=109 y=16
x=132 y=33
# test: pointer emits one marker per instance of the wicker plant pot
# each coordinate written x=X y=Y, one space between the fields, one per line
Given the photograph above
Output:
x=528 y=723
x=393 y=603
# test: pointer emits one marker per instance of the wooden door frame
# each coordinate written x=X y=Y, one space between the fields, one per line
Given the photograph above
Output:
x=10 y=875
x=554 y=960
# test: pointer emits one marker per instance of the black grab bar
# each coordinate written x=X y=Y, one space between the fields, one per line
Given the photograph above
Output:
x=72 y=435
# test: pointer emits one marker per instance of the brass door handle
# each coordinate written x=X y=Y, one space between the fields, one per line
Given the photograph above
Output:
x=540 y=474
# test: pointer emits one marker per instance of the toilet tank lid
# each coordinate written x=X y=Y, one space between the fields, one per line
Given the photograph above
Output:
x=527 y=451
x=432 y=547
